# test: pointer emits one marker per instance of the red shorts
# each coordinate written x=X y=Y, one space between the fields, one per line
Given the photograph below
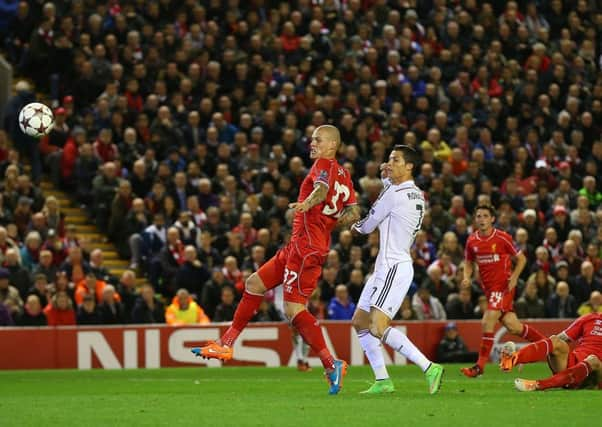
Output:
x=500 y=300
x=297 y=268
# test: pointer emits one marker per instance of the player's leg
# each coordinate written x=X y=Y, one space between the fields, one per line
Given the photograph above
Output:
x=553 y=349
x=571 y=377
x=515 y=327
x=300 y=348
x=384 y=304
x=490 y=318
x=370 y=344
x=302 y=274
x=268 y=276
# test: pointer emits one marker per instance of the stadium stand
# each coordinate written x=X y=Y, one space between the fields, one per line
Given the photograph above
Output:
x=182 y=133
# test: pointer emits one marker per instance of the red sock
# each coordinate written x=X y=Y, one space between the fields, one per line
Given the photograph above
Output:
x=308 y=328
x=244 y=312
x=536 y=351
x=572 y=377
x=531 y=334
x=485 y=349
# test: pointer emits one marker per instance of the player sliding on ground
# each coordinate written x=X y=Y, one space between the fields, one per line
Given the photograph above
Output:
x=398 y=215
x=570 y=367
x=492 y=250
x=326 y=199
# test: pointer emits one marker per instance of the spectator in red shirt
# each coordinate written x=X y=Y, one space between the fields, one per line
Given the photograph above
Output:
x=59 y=312
x=104 y=149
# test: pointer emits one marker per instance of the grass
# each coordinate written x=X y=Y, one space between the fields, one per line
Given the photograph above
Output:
x=282 y=397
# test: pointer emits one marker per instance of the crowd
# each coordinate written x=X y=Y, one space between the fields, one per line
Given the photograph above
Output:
x=183 y=128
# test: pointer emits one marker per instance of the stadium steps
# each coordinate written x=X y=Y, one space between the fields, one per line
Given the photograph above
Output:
x=91 y=237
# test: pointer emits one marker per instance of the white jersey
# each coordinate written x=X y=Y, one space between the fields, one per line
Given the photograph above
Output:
x=398 y=214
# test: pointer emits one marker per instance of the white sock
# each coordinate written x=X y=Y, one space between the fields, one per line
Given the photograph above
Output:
x=298 y=344
x=374 y=353
x=399 y=342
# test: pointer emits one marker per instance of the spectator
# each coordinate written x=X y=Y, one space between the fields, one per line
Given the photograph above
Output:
x=6 y=318
x=561 y=304
x=148 y=308
x=41 y=289
x=185 y=311
x=451 y=348
x=32 y=314
x=97 y=266
x=19 y=277
x=192 y=274
x=529 y=305
x=593 y=305
x=30 y=252
x=112 y=311
x=93 y=286
x=126 y=288
x=426 y=306
x=59 y=312
x=224 y=312
x=341 y=307
x=88 y=313
x=460 y=306
x=585 y=283
x=267 y=312
x=75 y=266
x=171 y=257
x=7 y=291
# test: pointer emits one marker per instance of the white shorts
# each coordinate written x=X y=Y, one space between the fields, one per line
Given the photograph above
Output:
x=386 y=289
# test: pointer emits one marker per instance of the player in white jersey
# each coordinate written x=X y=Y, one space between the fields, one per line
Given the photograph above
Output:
x=398 y=214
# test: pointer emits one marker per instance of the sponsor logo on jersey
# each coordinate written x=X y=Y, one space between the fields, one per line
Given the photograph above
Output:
x=488 y=259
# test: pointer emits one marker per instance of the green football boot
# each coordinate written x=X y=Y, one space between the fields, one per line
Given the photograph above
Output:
x=380 y=387
x=433 y=377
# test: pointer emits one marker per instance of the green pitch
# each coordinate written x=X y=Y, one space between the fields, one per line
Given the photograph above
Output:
x=282 y=397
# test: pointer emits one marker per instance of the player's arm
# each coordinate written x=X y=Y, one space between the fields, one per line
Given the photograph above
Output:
x=317 y=196
x=379 y=211
x=350 y=215
x=521 y=261
x=468 y=270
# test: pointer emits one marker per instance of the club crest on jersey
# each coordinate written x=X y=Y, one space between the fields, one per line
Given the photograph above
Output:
x=493 y=247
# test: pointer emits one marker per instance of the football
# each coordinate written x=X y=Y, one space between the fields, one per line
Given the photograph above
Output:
x=36 y=119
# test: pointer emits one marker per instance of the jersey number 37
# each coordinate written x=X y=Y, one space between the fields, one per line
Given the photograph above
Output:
x=341 y=191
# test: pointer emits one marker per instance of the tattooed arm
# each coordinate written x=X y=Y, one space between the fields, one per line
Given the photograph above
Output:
x=317 y=196
x=350 y=215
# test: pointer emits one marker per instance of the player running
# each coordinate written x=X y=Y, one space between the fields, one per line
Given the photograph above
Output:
x=326 y=199
x=492 y=250
x=570 y=367
x=398 y=214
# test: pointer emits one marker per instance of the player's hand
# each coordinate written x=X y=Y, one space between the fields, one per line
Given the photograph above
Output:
x=465 y=283
x=512 y=282
x=298 y=207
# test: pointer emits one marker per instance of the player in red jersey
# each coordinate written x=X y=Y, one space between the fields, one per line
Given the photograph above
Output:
x=492 y=250
x=570 y=367
x=326 y=199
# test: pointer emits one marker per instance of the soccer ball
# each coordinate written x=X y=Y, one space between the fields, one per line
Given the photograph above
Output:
x=36 y=119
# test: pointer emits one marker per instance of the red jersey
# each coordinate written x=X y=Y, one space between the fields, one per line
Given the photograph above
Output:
x=314 y=226
x=493 y=256
x=586 y=331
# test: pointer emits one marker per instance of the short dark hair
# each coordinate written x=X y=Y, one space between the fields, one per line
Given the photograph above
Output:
x=409 y=155
x=487 y=208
